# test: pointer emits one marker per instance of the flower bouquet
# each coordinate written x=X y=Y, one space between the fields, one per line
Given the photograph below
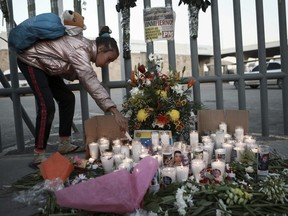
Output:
x=160 y=101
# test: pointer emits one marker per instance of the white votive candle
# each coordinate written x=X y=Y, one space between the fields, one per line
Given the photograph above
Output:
x=198 y=169
x=194 y=138
x=165 y=140
x=223 y=127
x=136 y=149
x=220 y=153
x=228 y=147
x=219 y=138
x=182 y=173
x=168 y=175
x=218 y=169
x=125 y=150
x=94 y=150
x=107 y=161
x=155 y=137
x=239 y=133
x=239 y=151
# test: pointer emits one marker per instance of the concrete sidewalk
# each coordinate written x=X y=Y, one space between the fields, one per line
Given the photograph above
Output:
x=14 y=166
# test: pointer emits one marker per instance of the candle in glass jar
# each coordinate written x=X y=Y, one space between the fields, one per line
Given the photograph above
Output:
x=182 y=173
x=239 y=151
x=136 y=149
x=125 y=150
x=107 y=161
x=198 y=169
x=155 y=137
x=218 y=169
x=194 y=138
x=118 y=158
x=228 y=147
x=165 y=140
x=168 y=175
x=223 y=127
x=159 y=159
x=219 y=138
x=116 y=146
x=220 y=153
x=239 y=133
x=103 y=144
x=94 y=150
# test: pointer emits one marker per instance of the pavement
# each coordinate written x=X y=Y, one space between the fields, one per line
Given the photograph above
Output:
x=14 y=166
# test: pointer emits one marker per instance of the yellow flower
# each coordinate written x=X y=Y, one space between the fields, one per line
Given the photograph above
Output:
x=162 y=93
x=174 y=115
x=142 y=115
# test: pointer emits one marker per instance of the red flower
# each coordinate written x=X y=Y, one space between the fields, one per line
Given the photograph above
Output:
x=161 y=120
x=191 y=83
x=142 y=69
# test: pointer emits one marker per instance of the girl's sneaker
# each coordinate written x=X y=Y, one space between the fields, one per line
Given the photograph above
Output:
x=65 y=147
x=39 y=157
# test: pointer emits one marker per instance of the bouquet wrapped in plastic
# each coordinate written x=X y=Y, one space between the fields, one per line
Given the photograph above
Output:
x=118 y=192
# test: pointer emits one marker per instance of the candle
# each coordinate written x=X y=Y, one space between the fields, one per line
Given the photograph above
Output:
x=107 y=161
x=116 y=146
x=94 y=150
x=165 y=140
x=103 y=144
x=155 y=138
x=206 y=157
x=239 y=133
x=194 y=138
x=127 y=164
x=118 y=158
x=125 y=150
x=228 y=147
x=219 y=139
x=198 y=169
x=223 y=127
x=220 y=153
x=239 y=151
x=168 y=175
x=198 y=152
x=218 y=169
x=206 y=139
x=159 y=159
x=263 y=160
x=136 y=149
x=209 y=146
x=182 y=173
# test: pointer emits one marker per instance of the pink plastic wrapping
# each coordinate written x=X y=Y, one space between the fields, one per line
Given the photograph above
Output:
x=118 y=192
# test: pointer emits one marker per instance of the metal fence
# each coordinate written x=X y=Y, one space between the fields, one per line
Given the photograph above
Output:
x=14 y=92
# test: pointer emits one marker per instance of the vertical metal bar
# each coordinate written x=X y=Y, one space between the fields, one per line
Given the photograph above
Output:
x=149 y=45
x=1 y=147
x=284 y=57
x=15 y=84
x=239 y=54
x=217 y=54
x=31 y=8
x=262 y=67
x=77 y=6
x=54 y=6
x=194 y=62
x=171 y=43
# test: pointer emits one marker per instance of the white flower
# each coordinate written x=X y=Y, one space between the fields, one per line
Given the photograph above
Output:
x=148 y=82
x=178 y=89
x=151 y=57
x=249 y=169
x=180 y=202
x=128 y=114
x=134 y=91
x=248 y=176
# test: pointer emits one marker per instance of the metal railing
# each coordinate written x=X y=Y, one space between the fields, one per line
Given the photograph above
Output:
x=14 y=92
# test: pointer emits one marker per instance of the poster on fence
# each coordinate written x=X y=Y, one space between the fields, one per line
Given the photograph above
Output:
x=159 y=23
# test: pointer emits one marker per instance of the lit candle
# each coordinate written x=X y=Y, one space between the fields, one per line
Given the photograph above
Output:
x=118 y=158
x=125 y=150
x=239 y=151
x=220 y=153
x=206 y=157
x=155 y=138
x=209 y=146
x=223 y=127
x=219 y=139
x=239 y=133
x=182 y=173
x=136 y=149
x=107 y=161
x=168 y=175
x=94 y=150
x=194 y=138
x=228 y=147
x=198 y=169
x=218 y=169
x=103 y=144
x=165 y=140
x=116 y=146
x=127 y=164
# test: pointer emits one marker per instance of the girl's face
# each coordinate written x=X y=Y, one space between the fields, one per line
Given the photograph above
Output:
x=104 y=58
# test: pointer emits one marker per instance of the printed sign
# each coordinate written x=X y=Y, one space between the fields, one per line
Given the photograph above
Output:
x=159 y=23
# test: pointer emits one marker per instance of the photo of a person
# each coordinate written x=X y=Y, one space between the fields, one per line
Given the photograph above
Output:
x=263 y=162
x=177 y=158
